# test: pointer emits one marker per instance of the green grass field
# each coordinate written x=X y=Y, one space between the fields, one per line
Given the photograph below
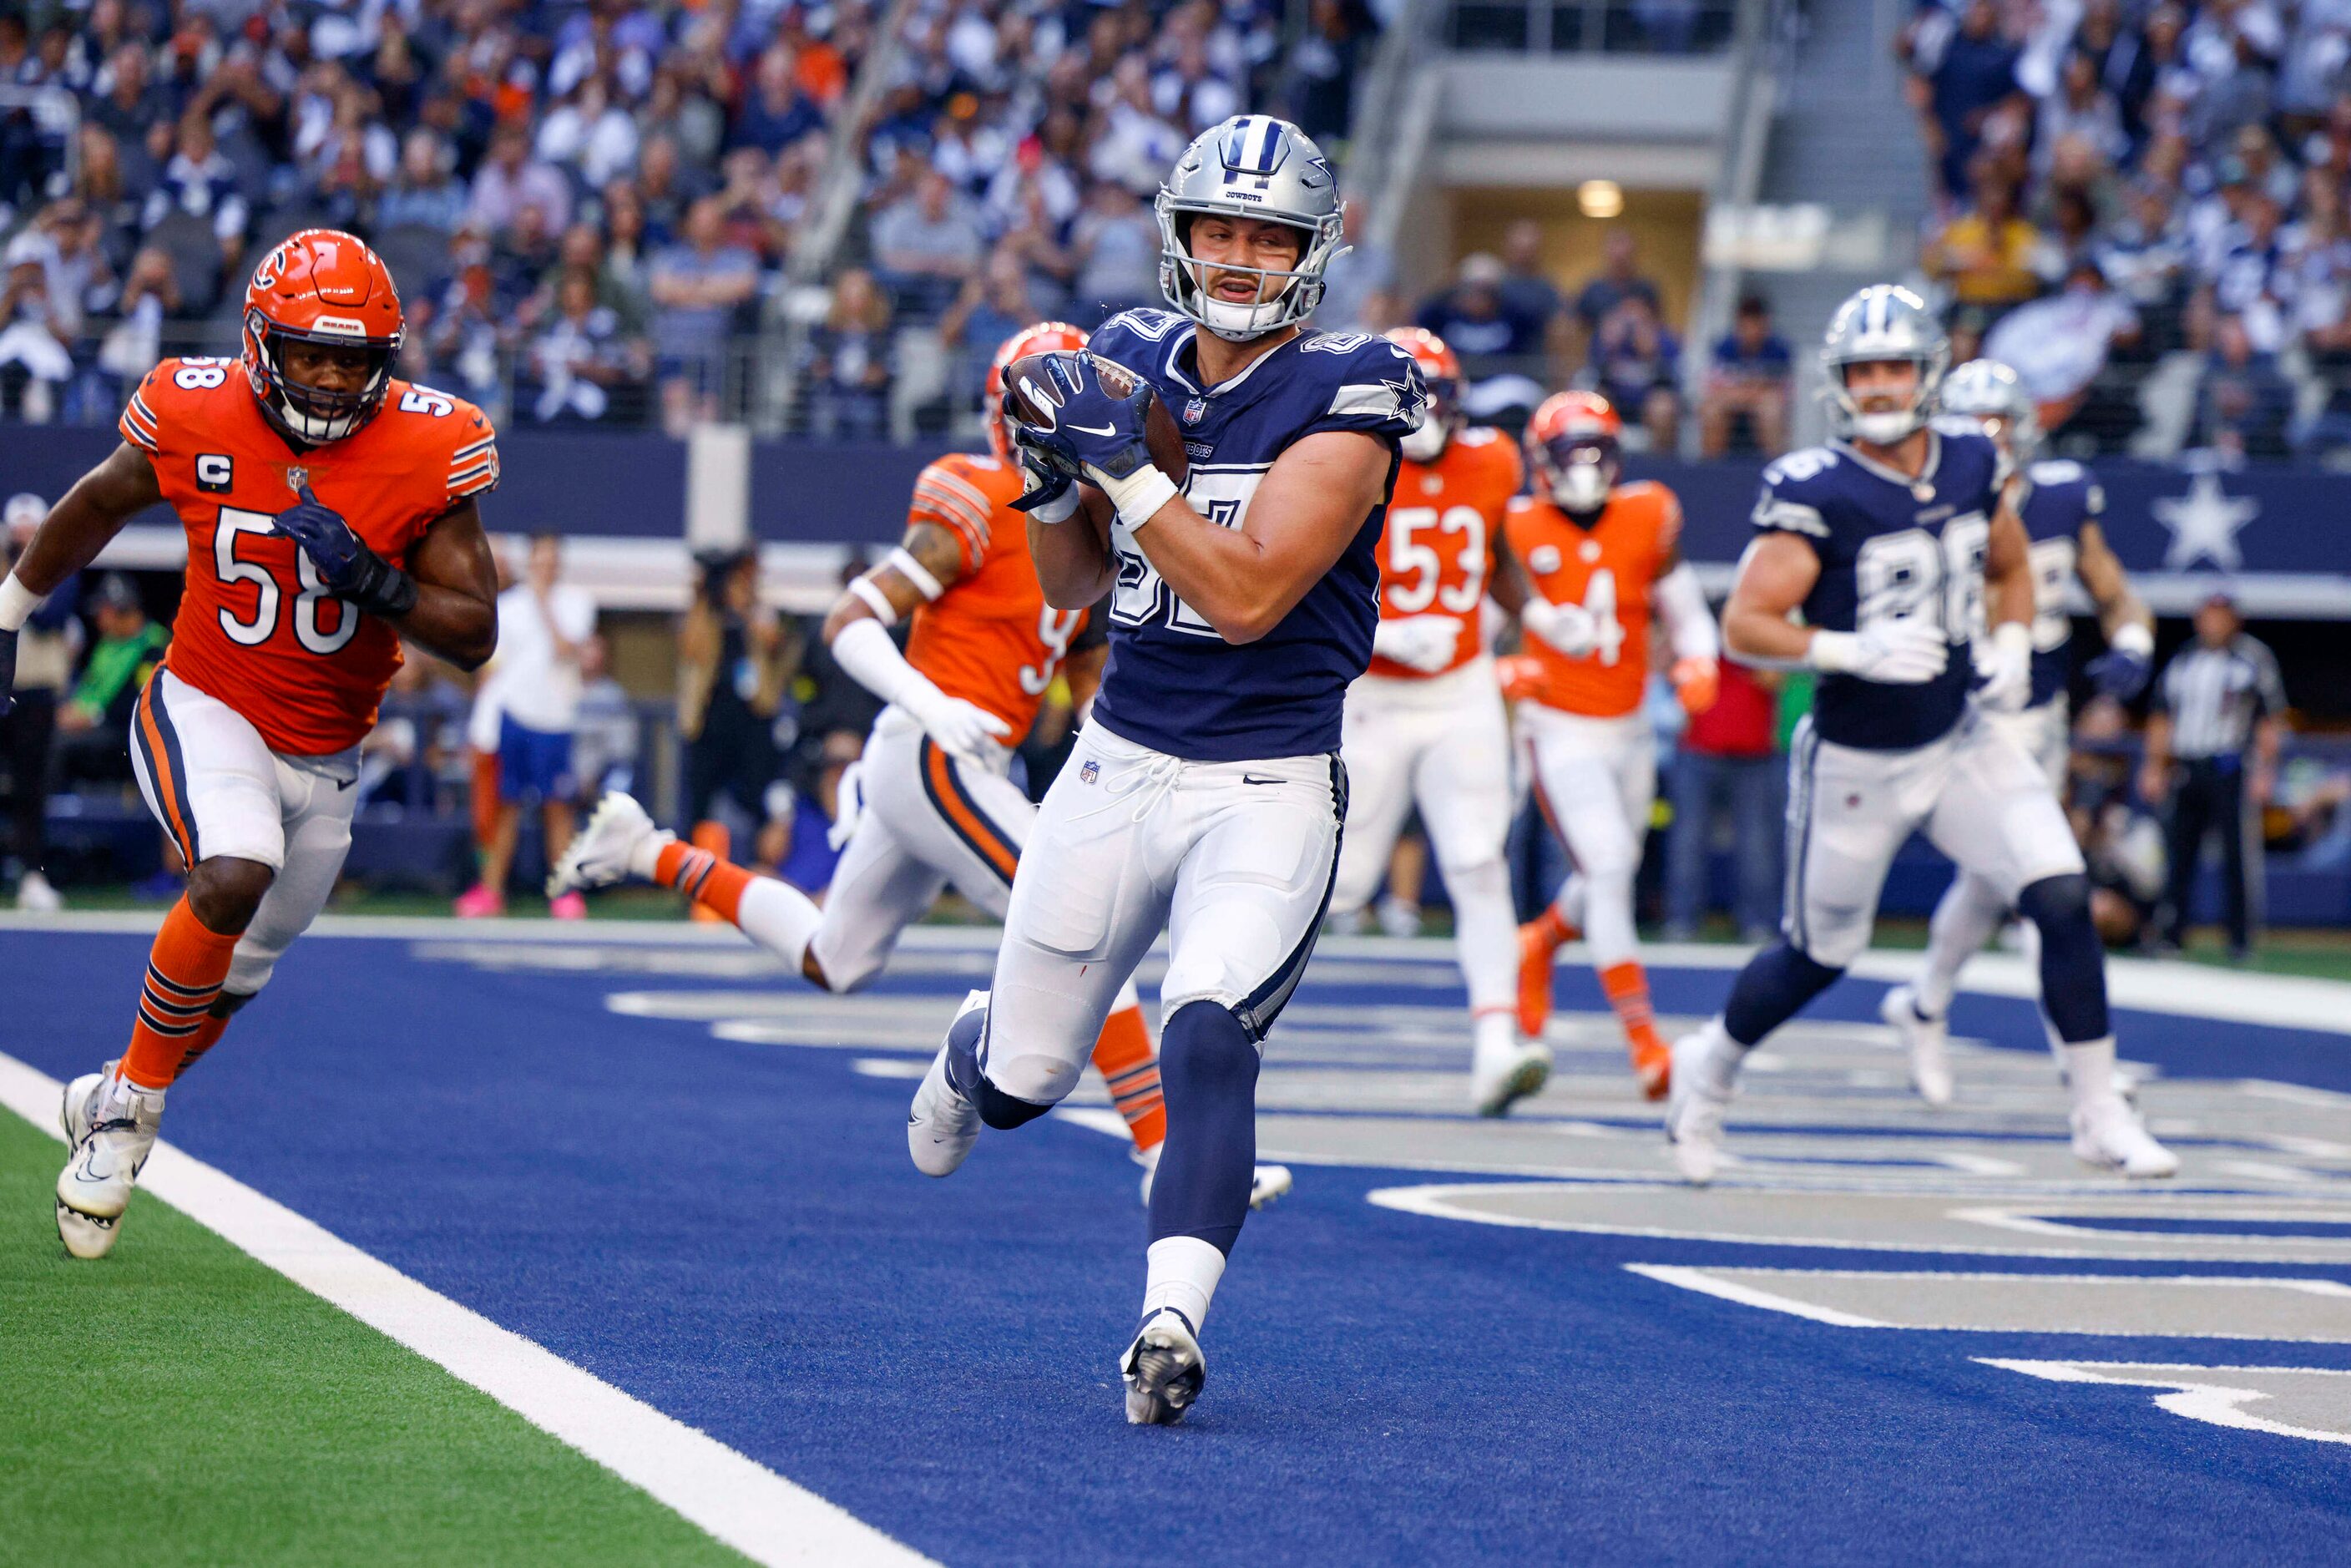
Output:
x=180 y=1403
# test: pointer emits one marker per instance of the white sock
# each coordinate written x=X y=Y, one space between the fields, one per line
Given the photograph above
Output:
x=647 y=854
x=1965 y=919
x=1485 y=932
x=778 y=917
x=1717 y=1061
x=1495 y=1032
x=1184 y=1274
x=2090 y=1070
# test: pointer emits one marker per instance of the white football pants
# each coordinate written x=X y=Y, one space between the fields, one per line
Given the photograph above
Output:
x=1599 y=779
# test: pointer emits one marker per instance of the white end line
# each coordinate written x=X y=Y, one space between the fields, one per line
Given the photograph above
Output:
x=736 y=1499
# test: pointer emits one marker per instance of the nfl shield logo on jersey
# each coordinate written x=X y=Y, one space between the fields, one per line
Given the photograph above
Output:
x=295 y=478
x=1194 y=408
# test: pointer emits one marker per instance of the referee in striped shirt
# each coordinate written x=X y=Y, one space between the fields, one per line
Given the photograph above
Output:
x=2212 y=749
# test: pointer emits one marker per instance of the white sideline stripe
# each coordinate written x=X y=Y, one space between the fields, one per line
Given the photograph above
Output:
x=734 y=1498
x=2196 y=1400
x=1706 y=1284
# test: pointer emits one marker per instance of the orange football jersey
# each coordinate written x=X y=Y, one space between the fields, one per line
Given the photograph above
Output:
x=1609 y=570
x=1436 y=553
x=990 y=638
x=256 y=629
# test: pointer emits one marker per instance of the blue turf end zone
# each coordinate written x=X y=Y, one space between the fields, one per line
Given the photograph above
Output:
x=732 y=1232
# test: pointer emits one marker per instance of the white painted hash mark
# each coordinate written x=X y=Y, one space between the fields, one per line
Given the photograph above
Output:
x=736 y=1499
x=2194 y=1394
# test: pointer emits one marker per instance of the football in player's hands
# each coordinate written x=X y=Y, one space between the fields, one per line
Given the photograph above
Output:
x=1038 y=398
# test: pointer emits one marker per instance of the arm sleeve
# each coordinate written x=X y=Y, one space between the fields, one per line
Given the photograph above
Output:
x=1689 y=625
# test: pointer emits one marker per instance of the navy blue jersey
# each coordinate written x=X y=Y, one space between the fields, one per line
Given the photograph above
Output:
x=1173 y=684
x=1890 y=546
x=2063 y=497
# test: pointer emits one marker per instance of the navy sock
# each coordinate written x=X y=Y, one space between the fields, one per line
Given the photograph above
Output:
x=996 y=1109
x=2073 y=961
x=1208 y=1071
x=1771 y=990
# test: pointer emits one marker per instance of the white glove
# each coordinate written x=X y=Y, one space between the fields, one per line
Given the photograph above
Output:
x=1570 y=628
x=1904 y=652
x=2006 y=666
x=962 y=729
x=1422 y=643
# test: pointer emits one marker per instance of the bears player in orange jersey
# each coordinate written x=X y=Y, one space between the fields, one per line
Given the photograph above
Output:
x=1601 y=554
x=1426 y=725
x=330 y=511
x=929 y=804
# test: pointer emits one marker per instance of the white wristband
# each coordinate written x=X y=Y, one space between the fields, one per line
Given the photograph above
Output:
x=1139 y=495
x=2015 y=636
x=873 y=599
x=2130 y=638
x=18 y=603
x=1835 y=652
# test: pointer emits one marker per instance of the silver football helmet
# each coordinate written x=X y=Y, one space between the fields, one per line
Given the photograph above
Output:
x=1253 y=166
x=1986 y=390
x=1884 y=321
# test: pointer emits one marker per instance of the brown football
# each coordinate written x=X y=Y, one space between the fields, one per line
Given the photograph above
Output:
x=1159 y=431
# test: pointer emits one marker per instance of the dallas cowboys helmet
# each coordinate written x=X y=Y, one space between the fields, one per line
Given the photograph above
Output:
x=1988 y=390
x=1253 y=166
x=1884 y=321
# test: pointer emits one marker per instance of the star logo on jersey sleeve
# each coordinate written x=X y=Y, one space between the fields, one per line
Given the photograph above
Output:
x=2204 y=524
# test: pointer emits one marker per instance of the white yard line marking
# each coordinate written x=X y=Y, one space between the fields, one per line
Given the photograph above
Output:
x=736 y=1499
x=1706 y=1284
x=2193 y=1398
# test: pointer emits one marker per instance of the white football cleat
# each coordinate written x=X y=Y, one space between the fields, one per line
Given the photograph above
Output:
x=941 y=1124
x=2108 y=1135
x=1266 y=1183
x=1164 y=1370
x=1694 y=1114
x=607 y=849
x=1501 y=1075
x=111 y=1125
x=1926 y=1040
x=35 y=896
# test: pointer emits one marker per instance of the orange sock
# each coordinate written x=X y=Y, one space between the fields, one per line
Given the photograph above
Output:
x=713 y=839
x=1551 y=929
x=1627 y=987
x=207 y=1035
x=184 y=971
x=1131 y=1068
x=712 y=884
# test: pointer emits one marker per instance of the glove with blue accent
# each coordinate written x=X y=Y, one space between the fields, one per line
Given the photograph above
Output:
x=1076 y=427
x=2122 y=671
x=351 y=571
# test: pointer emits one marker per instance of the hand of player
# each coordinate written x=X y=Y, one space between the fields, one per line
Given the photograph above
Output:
x=1570 y=628
x=2121 y=675
x=1520 y=676
x=1089 y=432
x=2007 y=668
x=1903 y=650
x=345 y=564
x=1697 y=682
x=1048 y=493
x=1422 y=643
x=961 y=728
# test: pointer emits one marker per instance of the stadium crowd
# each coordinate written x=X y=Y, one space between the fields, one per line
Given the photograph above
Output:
x=2141 y=207
x=588 y=205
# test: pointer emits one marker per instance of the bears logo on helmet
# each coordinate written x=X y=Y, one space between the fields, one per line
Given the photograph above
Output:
x=322 y=286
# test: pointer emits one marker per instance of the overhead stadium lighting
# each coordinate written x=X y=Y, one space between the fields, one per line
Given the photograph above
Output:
x=1600 y=198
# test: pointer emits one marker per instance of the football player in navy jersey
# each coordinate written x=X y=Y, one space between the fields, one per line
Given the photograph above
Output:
x=1895 y=541
x=1205 y=794
x=2061 y=505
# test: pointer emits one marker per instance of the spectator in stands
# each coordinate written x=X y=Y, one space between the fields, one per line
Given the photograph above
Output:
x=422 y=194
x=135 y=342
x=1472 y=319
x=992 y=306
x=542 y=623
x=1988 y=254
x=776 y=112
x=926 y=245
x=2143 y=253
x=1961 y=76
x=1115 y=244
x=1637 y=363
x=44 y=660
x=94 y=724
x=1359 y=286
x=696 y=288
x=604 y=742
x=1728 y=773
x=1748 y=385
x=2058 y=346
x=1527 y=288
x=590 y=133
x=2081 y=110
x=2213 y=734
x=849 y=365
x=511 y=180
x=734 y=661
x=2243 y=402
x=580 y=359
x=1620 y=278
x=35 y=362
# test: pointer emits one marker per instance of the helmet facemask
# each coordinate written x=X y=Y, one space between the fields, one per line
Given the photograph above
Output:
x=1293 y=294
x=1579 y=469
x=1427 y=443
x=314 y=415
x=1886 y=427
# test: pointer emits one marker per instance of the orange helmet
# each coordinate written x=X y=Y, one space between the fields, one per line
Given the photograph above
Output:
x=1045 y=336
x=1441 y=369
x=322 y=286
x=1572 y=444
